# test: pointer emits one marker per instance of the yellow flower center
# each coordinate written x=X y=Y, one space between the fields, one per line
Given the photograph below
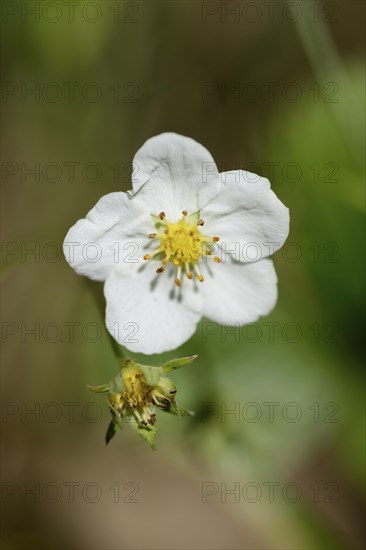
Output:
x=182 y=244
x=141 y=396
x=137 y=392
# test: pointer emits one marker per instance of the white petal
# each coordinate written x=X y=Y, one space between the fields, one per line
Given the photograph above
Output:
x=146 y=312
x=237 y=293
x=250 y=220
x=174 y=173
x=114 y=231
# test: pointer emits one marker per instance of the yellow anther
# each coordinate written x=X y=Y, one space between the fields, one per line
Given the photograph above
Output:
x=190 y=275
x=215 y=239
x=152 y=235
x=217 y=260
x=147 y=256
x=178 y=281
x=200 y=278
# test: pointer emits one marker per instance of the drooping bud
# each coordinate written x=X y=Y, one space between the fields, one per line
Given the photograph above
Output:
x=135 y=393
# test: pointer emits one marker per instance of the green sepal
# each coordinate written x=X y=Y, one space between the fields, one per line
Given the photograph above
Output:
x=192 y=219
x=111 y=431
x=117 y=384
x=151 y=374
x=175 y=364
x=103 y=388
x=148 y=433
x=177 y=410
x=157 y=221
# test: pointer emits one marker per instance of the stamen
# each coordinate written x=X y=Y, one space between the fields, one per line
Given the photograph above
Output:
x=139 y=417
x=200 y=222
x=149 y=256
x=215 y=239
x=162 y=215
x=161 y=396
x=160 y=269
x=188 y=271
x=199 y=276
x=184 y=212
x=147 y=415
x=178 y=280
x=152 y=235
x=176 y=262
x=217 y=260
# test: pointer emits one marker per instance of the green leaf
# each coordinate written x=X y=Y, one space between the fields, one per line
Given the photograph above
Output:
x=175 y=364
x=148 y=433
x=100 y=389
x=111 y=431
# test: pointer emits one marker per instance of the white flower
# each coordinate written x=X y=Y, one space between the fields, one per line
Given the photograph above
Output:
x=186 y=242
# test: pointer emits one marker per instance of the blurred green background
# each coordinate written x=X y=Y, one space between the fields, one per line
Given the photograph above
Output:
x=274 y=87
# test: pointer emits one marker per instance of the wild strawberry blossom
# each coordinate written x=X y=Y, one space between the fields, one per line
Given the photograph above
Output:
x=184 y=243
